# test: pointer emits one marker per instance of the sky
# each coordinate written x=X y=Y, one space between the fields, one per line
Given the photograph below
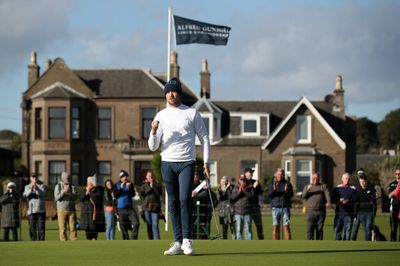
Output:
x=277 y=50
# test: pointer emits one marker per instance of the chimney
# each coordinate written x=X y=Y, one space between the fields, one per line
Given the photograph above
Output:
x=204 y=80
x=48 y=64
x=174 y=67
x=33 y=70
x=338 y=101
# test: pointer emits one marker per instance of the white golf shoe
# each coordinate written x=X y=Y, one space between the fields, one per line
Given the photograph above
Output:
x=187 y=247
x=175 y=249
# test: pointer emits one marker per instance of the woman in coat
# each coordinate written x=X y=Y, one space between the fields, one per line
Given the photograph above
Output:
x=92 y=211
x=226 y=211
x=10 y=212
x=151 y=194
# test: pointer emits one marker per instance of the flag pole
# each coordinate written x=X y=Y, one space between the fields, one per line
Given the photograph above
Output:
x=168 y=78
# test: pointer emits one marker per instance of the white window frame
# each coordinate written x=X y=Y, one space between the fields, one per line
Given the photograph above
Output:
x=309 y=137
x=288 y=170
x=213 y=173
x=258 y=125
x=303 y=173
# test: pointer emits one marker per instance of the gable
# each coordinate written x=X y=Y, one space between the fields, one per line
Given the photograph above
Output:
x=59 y=72
x=304 y=101
x=58 y=90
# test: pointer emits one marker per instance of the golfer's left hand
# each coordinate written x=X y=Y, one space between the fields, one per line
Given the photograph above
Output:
x=206 y=170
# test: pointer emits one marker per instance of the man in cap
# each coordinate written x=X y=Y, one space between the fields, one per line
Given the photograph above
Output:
x=35 y=193
x=65 y=196
x=128 y=218
x=255 y=201
x=364 y=207
x=174 y=129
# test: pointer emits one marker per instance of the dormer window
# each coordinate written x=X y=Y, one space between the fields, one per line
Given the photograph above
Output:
x=303 y=129
x=251 y=125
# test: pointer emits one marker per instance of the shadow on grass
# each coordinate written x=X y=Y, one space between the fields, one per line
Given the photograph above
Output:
x=297 y=252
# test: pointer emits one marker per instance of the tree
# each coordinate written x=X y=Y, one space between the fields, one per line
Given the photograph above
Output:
x=389 y=130
x=367 y=135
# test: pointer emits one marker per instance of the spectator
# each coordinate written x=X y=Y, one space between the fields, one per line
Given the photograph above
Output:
x=110 y=209
x=343 y=196
x=280 y=193
x=202 y=211
x=255 y=202
x=242 y=196
x=317 y=199
x=151 y=193
x=365 y=205
x=128 y=218
x=92 y=211
x=9 y=202
x=226 y=210
x=394 y=206
x=35 y=193
x=64 y=196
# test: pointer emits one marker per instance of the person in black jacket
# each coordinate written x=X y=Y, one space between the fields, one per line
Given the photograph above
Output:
x=394 y=207
x=280 y=193
x=151 y=194
x=9 y=202
x=242 y=196
x=343 y=196
x=92 y=211
x=364 y=207
x=255 y=202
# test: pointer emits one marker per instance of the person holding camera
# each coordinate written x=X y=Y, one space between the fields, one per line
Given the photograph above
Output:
x=255 y=201
x=242 y=197
x=9 y=202
x=128 y=218
x=151 y=195
x=35 y=193
x=65 y=196
x=280 y=193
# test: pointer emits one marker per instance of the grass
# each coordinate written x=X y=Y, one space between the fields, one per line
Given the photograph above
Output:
x=144 y=252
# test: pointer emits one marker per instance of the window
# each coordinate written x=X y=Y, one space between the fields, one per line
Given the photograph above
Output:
x=249 y=126
x=39 y=169
x=55 y=170
x=141 y=168
x=56 y=122
x=75 y=123
x=148 y=115
x=288 y=169
x=303 y=129
x=213 y=173
x=104 y=123
x=104 y=171
x=303 y=174
x=75 y=172
x=38 y=123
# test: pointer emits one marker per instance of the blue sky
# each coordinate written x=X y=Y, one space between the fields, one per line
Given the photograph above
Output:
x=278 y=50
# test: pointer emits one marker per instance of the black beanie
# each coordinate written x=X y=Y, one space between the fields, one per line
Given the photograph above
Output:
x=173 y=85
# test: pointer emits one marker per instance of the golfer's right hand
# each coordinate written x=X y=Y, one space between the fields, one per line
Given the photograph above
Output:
x=154 y=127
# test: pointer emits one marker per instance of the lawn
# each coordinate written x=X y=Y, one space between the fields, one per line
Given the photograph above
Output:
x=209 y=252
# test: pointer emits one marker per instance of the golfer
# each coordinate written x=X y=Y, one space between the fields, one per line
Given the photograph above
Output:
x=174 y=129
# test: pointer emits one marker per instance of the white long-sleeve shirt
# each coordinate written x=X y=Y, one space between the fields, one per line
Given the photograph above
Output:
x=176 y=134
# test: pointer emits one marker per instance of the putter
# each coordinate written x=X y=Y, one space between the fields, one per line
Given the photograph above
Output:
x=212 y=207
